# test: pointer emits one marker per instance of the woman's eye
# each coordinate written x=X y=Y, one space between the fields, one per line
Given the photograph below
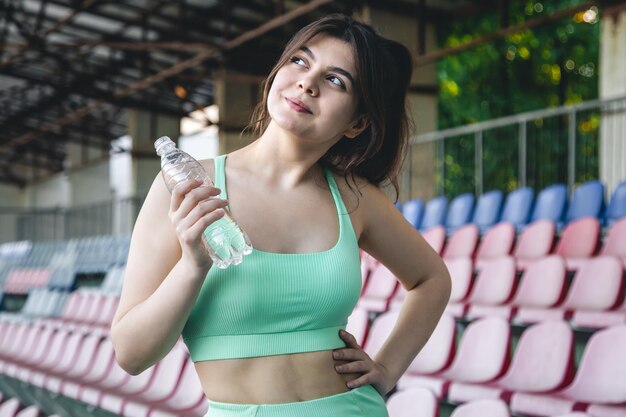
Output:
x=297 y=60
x=336 y=81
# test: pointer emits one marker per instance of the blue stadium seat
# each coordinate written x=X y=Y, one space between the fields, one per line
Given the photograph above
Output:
x=550 y=204
x=517 y=207
x=434 y=213
x=587 y=200
x=487 y=211
x=459 y=212
x=413 y=210
x=617 y=205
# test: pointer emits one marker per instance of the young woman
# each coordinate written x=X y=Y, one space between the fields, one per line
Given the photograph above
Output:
x=268 y=336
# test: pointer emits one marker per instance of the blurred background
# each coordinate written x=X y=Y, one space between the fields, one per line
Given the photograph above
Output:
x=520 y=117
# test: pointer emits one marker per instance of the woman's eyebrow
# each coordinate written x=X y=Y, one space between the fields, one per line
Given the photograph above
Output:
x=335 y=69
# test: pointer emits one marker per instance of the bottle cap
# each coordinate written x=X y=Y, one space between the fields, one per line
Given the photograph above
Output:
x=161 y=142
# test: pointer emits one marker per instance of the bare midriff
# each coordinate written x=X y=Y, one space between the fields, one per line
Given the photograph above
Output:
x=272 y=379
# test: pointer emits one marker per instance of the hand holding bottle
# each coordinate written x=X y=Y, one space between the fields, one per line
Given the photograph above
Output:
x=194 y=206
x=225 y=242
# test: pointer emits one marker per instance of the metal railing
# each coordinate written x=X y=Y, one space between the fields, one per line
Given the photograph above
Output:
x=115 y=217
x=535 y=149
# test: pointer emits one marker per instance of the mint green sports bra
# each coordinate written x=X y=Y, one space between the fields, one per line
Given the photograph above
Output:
x=273 y=303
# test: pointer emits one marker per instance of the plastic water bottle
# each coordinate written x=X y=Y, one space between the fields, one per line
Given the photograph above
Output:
x=224 y=239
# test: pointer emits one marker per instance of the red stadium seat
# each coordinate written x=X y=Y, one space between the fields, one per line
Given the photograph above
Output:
x=534 y=242
x=578 y=241
x=615 y=242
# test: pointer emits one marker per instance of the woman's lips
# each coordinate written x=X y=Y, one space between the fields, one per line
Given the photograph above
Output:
x=298 y=106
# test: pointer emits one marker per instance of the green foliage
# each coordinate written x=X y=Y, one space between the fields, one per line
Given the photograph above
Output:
x=549 y=65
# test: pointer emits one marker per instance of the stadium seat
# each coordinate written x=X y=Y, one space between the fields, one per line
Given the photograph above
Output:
x=596 y=286
x=493 y=286
x=542 y=285
x=599 y=379
x=461 y=275
x=413 y=210
x=497 y=241
x=551 y=203
x=9 y=407
x=600 y=410
x=436 y=237
x=616 y=209
x=435 y=356
x=534 y=243
x=517 y=207
x=31 y=411
x=482 y=357
x=434 y=213
x=542 y=362
x=459 y=212
x=413 y=402
x=587 y=201
x=578 y=241
x=97 y=370
x=381 y=287
x=615 y=242
x=482 y=408
x=597 y=319
x=487 y=211
x=462 y=243
x=358 y=325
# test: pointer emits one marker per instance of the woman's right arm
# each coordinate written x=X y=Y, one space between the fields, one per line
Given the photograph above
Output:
x=167 y=264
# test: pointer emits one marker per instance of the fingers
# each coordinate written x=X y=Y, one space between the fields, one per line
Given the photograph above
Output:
x=200 y=211
x=187 y=195
x=353 y=367
x=349 y=339
x=194 y=232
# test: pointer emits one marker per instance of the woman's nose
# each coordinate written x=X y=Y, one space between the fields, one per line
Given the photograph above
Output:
x=308 y=86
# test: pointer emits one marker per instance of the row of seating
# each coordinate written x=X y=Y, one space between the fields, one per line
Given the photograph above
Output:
x=519 y=208
x=12 y=407
x=578 y=241
x=539 y=379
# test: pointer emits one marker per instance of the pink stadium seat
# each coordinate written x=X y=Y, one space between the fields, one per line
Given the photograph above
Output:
x=32 y=411
x=543 y=361
x=534 y=242
x=437 y=353
x=615 y=242
x=482 y=408
x=462 y=243
x=29 y=346
x=482 y=357
x=461 y=274
x=436 y=237
x=599 y=410
x=497 y=241
x=28 y=364
x=108 y=311
x=20 y=280
x=358 y=325
x=493 y=286
x=542 y=285
x=60 y=343
x=81 y=365
x=9 y=408
x=596 y=286
x=600 y=319
x=575 y=414
x=96 y=371
x=368 y=264
x=413 y=402
x=578 y=241
x=599 y=379
x=381 y=287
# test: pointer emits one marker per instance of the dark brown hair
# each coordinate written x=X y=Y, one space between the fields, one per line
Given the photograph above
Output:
x=384 y=69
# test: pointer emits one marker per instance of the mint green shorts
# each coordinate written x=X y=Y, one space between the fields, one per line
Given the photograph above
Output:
x=363 y=401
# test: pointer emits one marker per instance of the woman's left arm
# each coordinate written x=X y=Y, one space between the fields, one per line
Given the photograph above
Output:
x=388 y=237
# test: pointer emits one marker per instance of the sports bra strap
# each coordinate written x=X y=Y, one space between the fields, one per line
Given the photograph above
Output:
x=220 y=176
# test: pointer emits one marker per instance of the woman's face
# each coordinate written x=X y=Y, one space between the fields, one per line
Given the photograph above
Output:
x=313 y=95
